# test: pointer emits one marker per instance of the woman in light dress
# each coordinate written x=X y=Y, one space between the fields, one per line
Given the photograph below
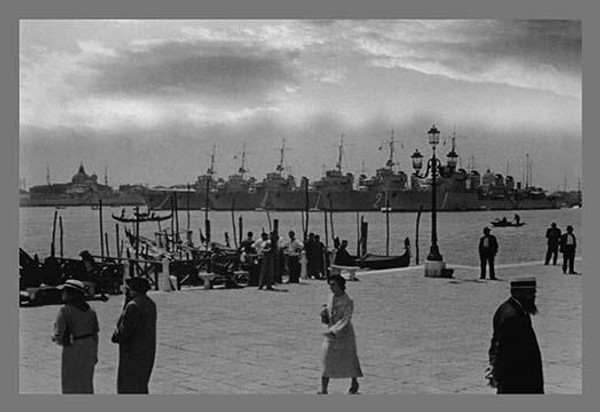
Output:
x=340 y=359
x=76 y=330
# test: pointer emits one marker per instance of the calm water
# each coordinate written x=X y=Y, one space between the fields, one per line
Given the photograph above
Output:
x=458 y=232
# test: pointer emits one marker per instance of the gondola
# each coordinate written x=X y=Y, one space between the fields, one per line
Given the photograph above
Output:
x=371 y=261
x=141 y=218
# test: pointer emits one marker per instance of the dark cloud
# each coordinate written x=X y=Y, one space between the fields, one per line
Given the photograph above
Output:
x=474 y=47
x=215 y=70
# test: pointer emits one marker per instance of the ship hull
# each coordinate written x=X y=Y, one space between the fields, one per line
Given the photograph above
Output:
x=65 y=200
x=402 y=201
x=235 y=201
x=349 y=201
x=161 y=200
x=408 y=201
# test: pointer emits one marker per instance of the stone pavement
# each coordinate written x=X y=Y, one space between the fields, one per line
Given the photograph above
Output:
x=415 y=335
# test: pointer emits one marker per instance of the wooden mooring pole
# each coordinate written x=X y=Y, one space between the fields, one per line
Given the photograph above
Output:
x=52 y=248
x=61 y=235
x=417 y=235
x=101 y=229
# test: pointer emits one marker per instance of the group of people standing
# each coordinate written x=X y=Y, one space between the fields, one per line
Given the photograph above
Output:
x=565 y=243
x=76 y=330
x=274 y=256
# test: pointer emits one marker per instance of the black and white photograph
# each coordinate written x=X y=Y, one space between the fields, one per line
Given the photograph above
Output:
x=300 y=206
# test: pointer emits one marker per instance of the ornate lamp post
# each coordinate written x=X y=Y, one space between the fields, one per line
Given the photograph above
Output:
x=434 y=265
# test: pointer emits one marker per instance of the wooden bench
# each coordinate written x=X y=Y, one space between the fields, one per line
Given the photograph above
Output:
x=351 y=270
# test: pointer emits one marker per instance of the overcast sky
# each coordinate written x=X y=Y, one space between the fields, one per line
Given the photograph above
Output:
x=148 y=99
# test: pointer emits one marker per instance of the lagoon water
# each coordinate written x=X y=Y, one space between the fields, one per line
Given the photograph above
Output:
x=458 y=232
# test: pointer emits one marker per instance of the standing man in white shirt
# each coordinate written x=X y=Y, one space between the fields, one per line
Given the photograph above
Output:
x=568 y=244
x=293 y=248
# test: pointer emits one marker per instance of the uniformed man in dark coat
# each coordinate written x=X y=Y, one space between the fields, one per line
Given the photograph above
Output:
x=136 y=336
x=488 y=247
x=514 y=354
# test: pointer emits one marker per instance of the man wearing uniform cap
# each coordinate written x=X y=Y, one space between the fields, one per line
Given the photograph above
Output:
x=514 y=354
x=136 y=336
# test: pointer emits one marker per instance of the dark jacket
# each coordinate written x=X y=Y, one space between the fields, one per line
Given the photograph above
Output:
x=492 y=248
x=563 y=243
x=553 y=235
x=514 y=351
x=136 y=336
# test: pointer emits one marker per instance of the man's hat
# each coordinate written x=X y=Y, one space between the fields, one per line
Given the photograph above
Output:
x=138 y=284
x=523 y=283
x=486 y=229
x=86 y=255
x=75 y=285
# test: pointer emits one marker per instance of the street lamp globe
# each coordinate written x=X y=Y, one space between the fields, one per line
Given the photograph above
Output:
x=434 y=136
x=452 y=159
x=417 y=160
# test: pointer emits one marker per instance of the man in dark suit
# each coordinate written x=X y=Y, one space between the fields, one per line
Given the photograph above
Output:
x=488 y=247
x=553 y=235
x=136 y=336
x=514 y=354
x=568 y=244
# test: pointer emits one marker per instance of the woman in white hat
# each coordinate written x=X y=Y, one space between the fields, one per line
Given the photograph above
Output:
x=76 y=330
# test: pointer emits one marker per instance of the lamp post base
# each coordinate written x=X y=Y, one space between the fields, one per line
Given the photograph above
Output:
x=437 y=269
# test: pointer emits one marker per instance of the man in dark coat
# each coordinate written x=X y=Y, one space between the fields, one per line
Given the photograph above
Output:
x=553 y=235
x=488 y=247
x=514 y=354
x=568 y=244
x=136 y=336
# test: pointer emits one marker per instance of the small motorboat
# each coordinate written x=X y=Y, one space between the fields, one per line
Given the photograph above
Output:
x=506 y=223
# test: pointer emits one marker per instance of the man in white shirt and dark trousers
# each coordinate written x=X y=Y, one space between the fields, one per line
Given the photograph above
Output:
x=568 y=244
x=293 y=248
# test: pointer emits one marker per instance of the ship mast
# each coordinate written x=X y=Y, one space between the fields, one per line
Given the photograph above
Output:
x=279 y=167
x=390 y=163
x=340 y=154
x=211 y=169
x=106 y=175
x=48 y=175
x=242 y=170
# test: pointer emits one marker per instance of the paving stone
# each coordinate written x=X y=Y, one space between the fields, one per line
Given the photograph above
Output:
x=415 y=335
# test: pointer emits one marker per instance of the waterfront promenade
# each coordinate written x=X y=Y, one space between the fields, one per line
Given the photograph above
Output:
x=415 y=335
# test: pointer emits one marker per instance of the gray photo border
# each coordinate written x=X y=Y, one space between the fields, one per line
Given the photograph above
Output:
x=155 y=9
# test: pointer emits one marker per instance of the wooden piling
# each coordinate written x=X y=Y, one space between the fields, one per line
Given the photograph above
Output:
x=269 y=220
x=387 y=225
x=119 y=250
x=52 y=248
x=326 y=230
x=306 y=208
x=357 y=234
x=101 y=229
x=187 y=209
x=207 y=229
x=106 y=240
x=61 y=235
x=417 y=235
x=331 y=220
x=364 y=236
x=241 y=228
x=233 y=222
